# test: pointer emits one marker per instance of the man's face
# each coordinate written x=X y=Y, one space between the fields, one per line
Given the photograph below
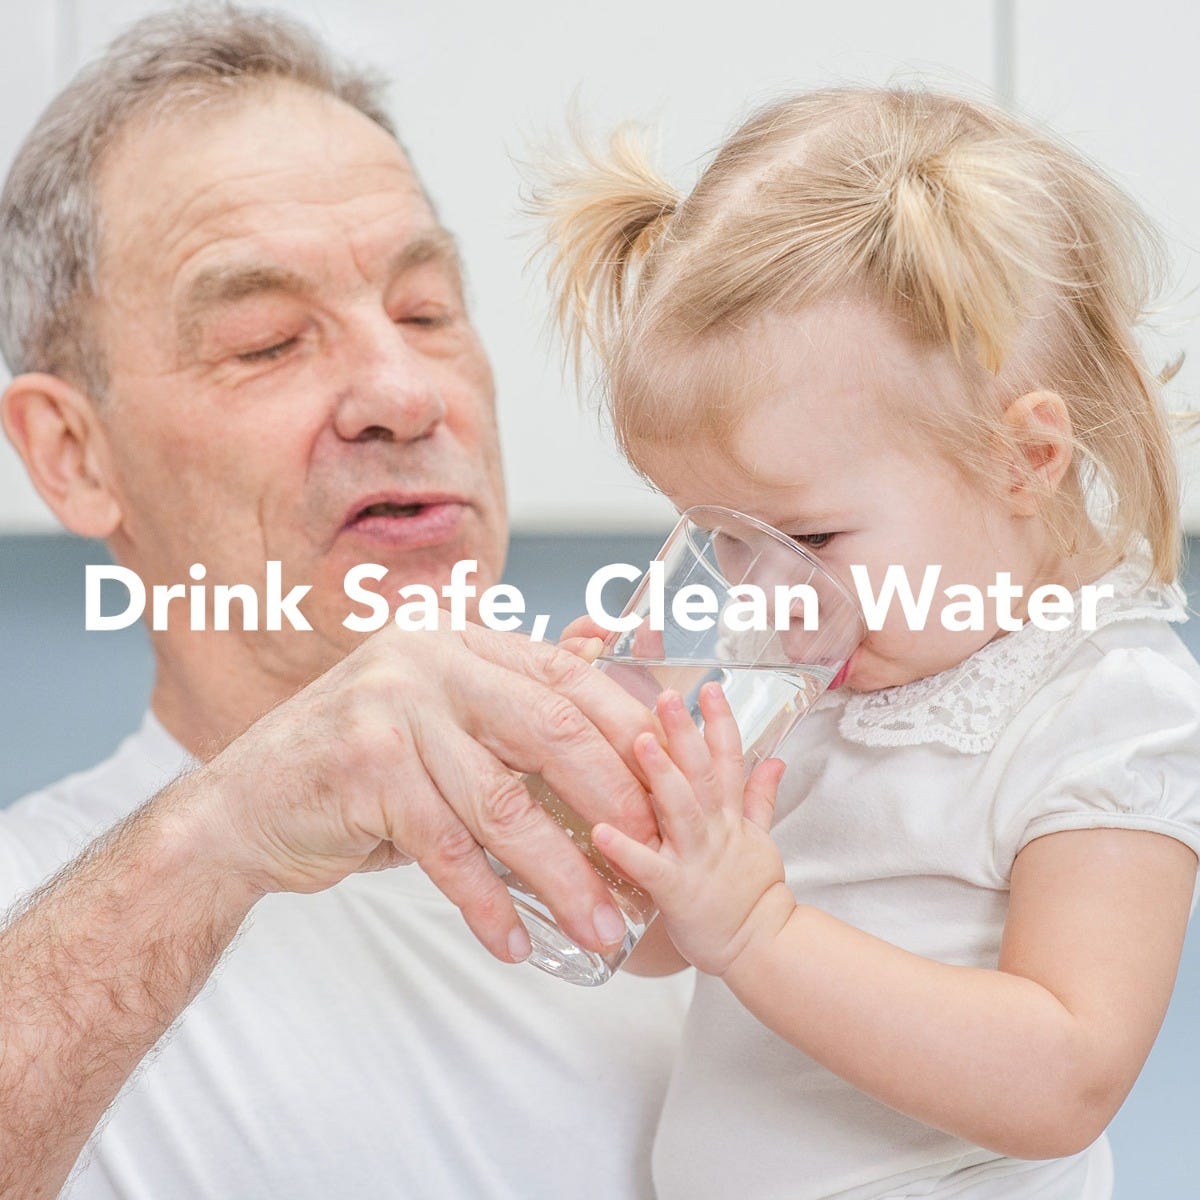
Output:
x=292 y=371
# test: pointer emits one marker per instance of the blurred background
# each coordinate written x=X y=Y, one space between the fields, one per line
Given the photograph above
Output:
x=477 y=86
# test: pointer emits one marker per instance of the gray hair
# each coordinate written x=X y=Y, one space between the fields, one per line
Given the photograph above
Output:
x=49 y=220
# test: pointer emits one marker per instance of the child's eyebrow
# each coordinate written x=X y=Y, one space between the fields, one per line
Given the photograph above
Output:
x=810 y=519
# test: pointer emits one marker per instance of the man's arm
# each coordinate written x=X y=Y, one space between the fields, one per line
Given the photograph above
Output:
x=93 y=970
x=407 y=750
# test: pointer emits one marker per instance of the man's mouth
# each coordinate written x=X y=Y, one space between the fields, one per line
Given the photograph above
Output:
x=385 y=508
x=407 y=522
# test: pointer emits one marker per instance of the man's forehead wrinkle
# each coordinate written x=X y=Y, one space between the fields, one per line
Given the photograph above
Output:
x=259 y=218
x=327 y=188
x=397 y=241
x=209 y=204
x=172 y=225
x=377 y=205
x=240 y=223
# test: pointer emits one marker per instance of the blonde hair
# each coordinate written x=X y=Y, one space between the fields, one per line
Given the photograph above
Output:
x=981 y=236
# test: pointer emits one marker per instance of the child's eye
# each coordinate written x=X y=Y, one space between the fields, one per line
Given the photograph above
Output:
x=814 y=541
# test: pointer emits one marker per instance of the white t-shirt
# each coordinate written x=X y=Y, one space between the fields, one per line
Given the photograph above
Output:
x=360 y=1043
x=901 y=814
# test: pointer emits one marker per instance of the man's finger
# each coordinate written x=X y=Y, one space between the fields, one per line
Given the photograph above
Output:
x=502 y=816
x=420 y=821
x=567 y=721
x=465 y=876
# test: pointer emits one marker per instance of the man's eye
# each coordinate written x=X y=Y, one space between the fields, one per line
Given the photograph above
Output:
x=424 y=320
x=814 y=541
x=268 y=352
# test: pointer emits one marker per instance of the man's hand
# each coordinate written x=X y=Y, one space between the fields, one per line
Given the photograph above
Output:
x=410 y=748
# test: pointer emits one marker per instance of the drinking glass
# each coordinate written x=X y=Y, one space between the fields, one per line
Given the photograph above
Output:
x=773 y=659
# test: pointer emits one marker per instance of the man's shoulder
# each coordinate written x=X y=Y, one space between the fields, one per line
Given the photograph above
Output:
x=47 y=828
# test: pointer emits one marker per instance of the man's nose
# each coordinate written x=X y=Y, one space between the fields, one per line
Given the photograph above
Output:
x=390 y=391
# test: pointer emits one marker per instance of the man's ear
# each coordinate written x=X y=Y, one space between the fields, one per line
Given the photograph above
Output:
x=1042 y=429
x=62 y=442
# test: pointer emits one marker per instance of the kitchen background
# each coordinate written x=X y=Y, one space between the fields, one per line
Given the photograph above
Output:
x=477 y=87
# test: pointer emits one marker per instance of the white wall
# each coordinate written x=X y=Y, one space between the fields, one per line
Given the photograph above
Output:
x=477 y=82
x=1121 y=82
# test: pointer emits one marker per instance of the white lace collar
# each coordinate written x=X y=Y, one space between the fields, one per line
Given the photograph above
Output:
x=967 y=706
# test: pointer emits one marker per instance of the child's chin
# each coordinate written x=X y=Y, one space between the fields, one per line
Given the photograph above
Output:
x=875 y=676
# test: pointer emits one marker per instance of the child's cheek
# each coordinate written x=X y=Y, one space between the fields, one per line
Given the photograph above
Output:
x=885 y=658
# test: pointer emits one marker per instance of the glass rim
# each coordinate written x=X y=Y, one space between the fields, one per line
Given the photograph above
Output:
x=790 y=544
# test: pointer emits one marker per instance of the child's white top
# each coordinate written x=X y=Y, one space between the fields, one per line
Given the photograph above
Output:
x=901 y=813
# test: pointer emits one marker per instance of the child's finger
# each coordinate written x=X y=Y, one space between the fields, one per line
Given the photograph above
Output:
x=724 y=742
x=758 y=800
x=687 y=747
x=643 y=866
x=648 y=643
x=585 y=628
x=681 y=820
x=588 y=648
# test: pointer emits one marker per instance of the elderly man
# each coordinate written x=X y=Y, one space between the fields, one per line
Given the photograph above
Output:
x=237 y=334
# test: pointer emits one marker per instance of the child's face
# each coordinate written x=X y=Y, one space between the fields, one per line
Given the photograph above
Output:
x=834 y=474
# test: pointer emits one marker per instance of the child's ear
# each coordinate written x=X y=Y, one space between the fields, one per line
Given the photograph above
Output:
x=1042 y=428
x=63 y=444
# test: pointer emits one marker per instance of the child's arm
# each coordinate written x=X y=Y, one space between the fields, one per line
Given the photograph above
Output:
x=1031 y=1060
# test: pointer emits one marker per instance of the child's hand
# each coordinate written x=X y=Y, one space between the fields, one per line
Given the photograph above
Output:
x=717 y=861
x=584 y=637
x=587 y=638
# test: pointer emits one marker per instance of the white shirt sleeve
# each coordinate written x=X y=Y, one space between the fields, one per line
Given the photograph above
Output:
x=1117 y=746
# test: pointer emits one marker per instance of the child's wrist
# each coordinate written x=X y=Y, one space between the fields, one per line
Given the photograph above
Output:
x=772 y=912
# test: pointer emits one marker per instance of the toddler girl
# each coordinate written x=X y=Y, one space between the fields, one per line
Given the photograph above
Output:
x=899 y=327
